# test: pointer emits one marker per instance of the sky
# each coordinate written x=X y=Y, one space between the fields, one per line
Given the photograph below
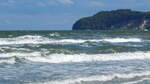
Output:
x=57 y=14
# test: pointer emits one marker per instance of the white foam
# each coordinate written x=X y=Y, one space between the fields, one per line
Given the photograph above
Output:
x=112 y=40
x=98 y=78
x=8 y=61
x=30 y=39
x=19 y=54
x=27 y=39
x=63 y=58
x=3 y=48
x=54 y=34
x=137 y=81
x=10 y=57
x=117 y=40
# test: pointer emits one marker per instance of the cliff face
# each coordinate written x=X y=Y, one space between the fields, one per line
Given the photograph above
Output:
x=123 y=19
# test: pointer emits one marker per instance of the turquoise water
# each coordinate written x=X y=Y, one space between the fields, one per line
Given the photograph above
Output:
x=74 y=57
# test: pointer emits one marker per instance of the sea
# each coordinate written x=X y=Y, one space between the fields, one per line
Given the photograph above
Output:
x=75 y=57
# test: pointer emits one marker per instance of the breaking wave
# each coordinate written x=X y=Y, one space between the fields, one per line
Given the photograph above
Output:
x=8 y=61
x=137 y=81
x=98 y=78
x=64 y=58
x=54 y=34
x=30 y=39
x=10 y=58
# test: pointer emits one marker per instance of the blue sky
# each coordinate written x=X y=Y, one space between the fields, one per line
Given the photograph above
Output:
x=57 y=14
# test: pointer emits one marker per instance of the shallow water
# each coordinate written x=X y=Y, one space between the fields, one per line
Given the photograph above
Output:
x=74 y=57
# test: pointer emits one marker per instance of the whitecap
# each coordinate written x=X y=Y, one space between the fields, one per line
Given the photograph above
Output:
x=137 y=81
x=19 y=54
x=8 y=61
x=30 y=39
x=119 y=40
x=67 y=58
x=54 y=34
x=64 y=58
x=97 y=78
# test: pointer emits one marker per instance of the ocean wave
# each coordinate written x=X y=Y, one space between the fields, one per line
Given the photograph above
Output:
x=65 y=58
x=98 y=78
x=27 y=39
x=10 y=58
x=5 y=48
x=8 y=61
x=137 y=81
x=119 y=40
x=30 y=39
x=19 y=54
x=54 y=34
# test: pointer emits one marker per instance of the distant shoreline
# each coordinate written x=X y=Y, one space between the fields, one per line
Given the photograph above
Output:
x=122 y=19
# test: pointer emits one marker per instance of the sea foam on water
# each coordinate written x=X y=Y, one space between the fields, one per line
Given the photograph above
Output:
x=30 y=39
x=64 y=58
x=101 y=78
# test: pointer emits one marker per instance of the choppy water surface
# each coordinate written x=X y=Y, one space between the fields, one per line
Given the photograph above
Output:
x=74 y=57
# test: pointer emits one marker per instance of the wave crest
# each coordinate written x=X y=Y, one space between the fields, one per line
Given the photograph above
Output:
x=98 y=78
x=30 y=39
x=64 y=58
